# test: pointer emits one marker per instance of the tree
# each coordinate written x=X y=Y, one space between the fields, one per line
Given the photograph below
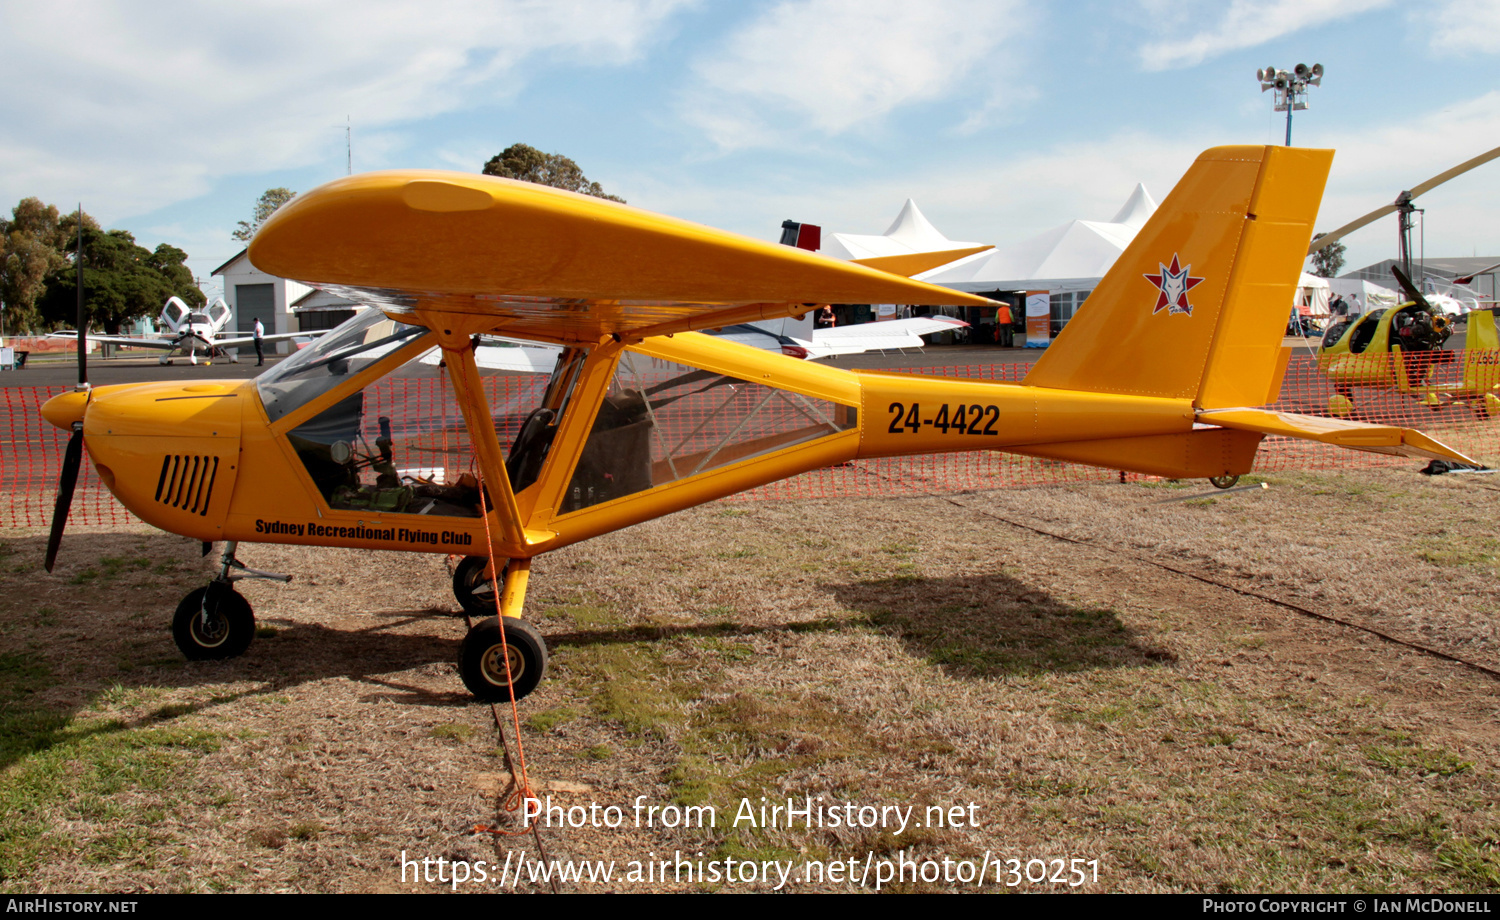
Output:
x=1328 y=261
x=121 y=280
x=264 y=208
x=29 y=248
x=528 y=164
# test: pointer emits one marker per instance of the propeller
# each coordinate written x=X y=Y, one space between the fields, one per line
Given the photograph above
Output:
x=1403 y=201
x=73 y=456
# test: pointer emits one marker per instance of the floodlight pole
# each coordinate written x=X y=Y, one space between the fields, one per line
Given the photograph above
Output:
x=1291 y=89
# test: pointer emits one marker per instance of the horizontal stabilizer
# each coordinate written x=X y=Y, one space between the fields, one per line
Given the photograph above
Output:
x=1380 y=439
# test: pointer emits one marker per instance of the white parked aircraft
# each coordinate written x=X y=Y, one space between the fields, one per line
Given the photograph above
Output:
x=189 y=332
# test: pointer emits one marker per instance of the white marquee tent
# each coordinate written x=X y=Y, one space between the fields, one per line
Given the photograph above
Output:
x=1073 y=256
x=910 y=233
x=1312 y=295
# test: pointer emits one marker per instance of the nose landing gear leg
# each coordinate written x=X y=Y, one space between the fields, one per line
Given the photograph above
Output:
x=215 y=622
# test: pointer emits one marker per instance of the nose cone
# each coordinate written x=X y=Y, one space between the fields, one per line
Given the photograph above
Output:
x=65 y=409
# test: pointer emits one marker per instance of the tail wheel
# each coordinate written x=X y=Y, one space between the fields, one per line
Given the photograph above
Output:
x=1224 y=482
x=474 y=590
x=483 y=659
x=213 y=623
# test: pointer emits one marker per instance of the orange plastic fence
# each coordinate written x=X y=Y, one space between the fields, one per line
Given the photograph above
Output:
x=31 y=450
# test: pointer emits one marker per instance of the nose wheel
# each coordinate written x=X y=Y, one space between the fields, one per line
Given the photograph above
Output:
x=496 y=659
x=213 y=623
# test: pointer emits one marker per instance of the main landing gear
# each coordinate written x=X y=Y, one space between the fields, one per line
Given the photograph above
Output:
x=501 y=655
x=215 y=622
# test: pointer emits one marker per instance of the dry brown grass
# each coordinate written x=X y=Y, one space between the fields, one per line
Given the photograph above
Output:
x=915 y=651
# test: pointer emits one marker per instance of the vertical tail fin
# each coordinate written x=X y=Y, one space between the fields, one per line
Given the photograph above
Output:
x=1195 y=307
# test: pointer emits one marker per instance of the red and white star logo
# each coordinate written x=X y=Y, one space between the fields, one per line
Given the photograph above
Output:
x=1172 y=287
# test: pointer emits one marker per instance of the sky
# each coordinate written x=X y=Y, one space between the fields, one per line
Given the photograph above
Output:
x=1001 y=118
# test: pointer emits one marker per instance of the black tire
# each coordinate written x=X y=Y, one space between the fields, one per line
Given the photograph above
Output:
x=473 y=590
x=481 y=659
x=213 y=623
x=1223 y=482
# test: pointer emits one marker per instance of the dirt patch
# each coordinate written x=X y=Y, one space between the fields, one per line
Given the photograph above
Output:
x=1048 y=700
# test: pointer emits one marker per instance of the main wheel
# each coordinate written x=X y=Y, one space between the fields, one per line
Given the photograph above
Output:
x=482 y=659
x=213 y=623
x=1223 y=482
x=473 y=589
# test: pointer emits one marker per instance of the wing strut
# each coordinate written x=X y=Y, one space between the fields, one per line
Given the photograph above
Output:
x=453 y=333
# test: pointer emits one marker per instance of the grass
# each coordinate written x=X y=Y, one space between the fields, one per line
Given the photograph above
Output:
x=904 y=653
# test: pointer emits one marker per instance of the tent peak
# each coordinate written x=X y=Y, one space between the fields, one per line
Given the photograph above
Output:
x=912 y=226
x=1137 y=208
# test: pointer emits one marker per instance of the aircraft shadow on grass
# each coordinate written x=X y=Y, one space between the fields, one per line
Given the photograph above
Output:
x=988 y=626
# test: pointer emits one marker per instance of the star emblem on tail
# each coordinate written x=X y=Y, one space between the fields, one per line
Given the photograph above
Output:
x=1172 y=287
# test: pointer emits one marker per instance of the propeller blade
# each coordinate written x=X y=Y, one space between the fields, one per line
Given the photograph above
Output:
x=1329 y=239
x=71 y=461
x=1458 y=170
x=1410 y=289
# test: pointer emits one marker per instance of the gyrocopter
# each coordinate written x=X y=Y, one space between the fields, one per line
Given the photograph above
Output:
x=1162 y=373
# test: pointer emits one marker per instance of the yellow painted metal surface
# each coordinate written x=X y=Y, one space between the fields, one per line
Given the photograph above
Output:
x=1247 y=343
x=914 y=263
x=911 y=414
x=1199 y=454
x=550 y=262
x=1384 y=439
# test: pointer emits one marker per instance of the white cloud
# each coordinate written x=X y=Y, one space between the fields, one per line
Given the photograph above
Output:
x=133 y=106
x=1467 y=25
x=833 y=65
x=1246 y=24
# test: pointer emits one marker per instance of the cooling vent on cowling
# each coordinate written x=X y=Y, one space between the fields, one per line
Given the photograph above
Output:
x=187 y=482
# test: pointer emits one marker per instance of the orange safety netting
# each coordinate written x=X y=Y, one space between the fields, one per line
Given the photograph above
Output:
x=31 y=450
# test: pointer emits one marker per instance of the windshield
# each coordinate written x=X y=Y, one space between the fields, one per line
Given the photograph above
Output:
x=336 y=357
x=198 y=318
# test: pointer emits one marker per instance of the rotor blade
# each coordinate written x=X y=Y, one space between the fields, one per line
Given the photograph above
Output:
x=71 y=461
x=1469 y=278
x=1328 y=239
x=1458 y=170
x=1410 y=289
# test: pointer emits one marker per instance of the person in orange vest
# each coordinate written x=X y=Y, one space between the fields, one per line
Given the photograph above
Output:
x=1004 y=336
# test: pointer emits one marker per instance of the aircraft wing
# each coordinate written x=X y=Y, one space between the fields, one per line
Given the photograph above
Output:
x=1380 y=439
x=133 y=341
x=250 y=339
x=514 y=355
x=879 y=336
x=550 y=264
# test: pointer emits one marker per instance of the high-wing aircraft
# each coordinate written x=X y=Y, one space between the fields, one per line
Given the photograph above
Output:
x=1162 y=372
x=189 y=332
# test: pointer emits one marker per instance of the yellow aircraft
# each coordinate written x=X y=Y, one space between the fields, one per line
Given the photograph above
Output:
x=1162 y=373
x=1402 y=349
